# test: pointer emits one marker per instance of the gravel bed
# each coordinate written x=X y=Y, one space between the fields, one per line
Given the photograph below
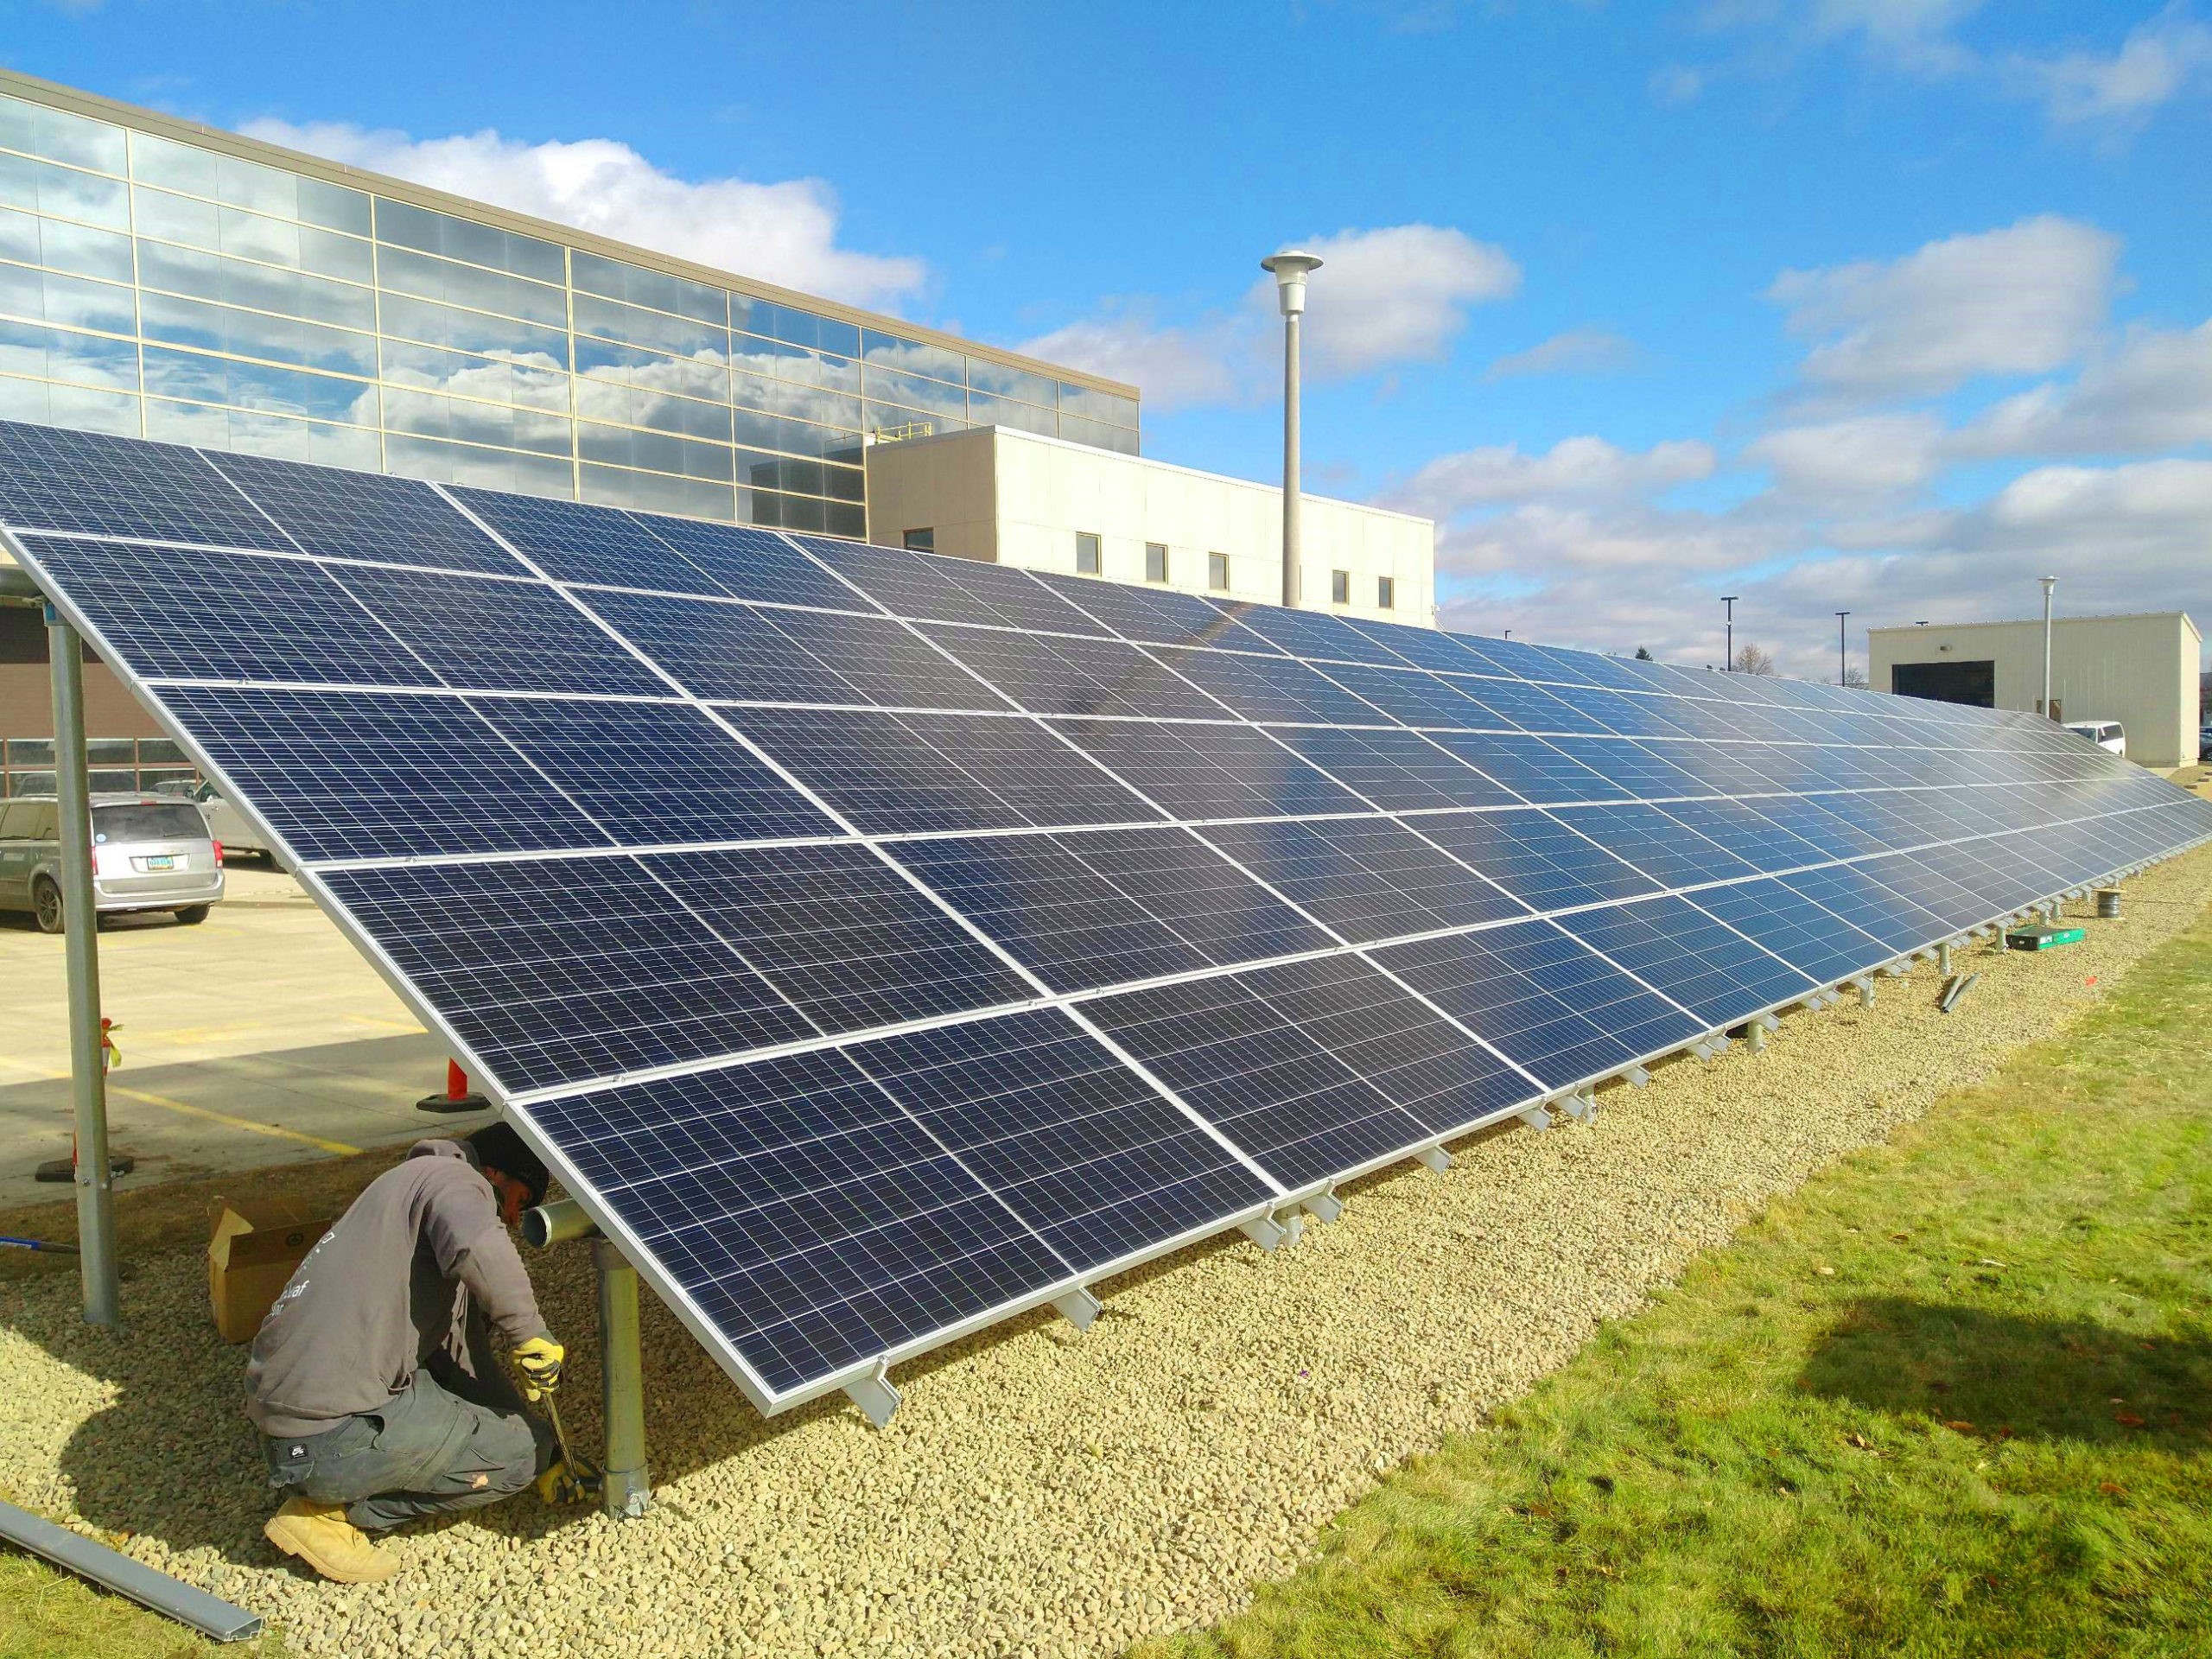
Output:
x=1042 y=1492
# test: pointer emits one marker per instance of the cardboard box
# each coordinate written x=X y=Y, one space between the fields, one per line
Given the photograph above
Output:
x=257 y=1243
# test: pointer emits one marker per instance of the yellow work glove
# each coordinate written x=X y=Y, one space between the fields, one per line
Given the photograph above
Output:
x=539 y=1361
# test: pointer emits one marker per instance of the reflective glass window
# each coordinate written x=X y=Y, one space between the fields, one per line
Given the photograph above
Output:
x=627 y=406
x=1086 y=553
x=1099 y=435
x=234 y=281
x=262 y=433
x=594 y=274
x=244 y=184
x=912 y=356
x=42 y=187
x=256 y=386
x=892 y=387
x=81 y=407
x=1155 y=561
x=1340 y=586
x=470 y=331
x=659 y=451
x=31 y=348
x=907 y=422
x=485 y=469
x=61 y=136
x=429 y=278
x=1218 y=572
x=49 y=296
x=839 y=518
x=434 y=368
x=1004 y=411
x=1094 y=405
x=428 y=417
x=250 y=333
x=650 y=493
x=650 y=370
x=1385 y=593
x=78 y=248
x=983 y=375
x=919 y=541
x=844 y=483
x=461 y=238
x=681 y=336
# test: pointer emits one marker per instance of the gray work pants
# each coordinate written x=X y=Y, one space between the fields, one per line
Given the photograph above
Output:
x=447 y=1441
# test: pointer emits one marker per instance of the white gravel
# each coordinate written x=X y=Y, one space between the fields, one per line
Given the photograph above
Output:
x=1041 y=1493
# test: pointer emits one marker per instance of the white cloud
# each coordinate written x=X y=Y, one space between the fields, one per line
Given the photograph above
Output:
x=1395 y=295
x=1872 y=454
x=2151 y=390
x=2157 y=59
x=1579 y=351
x=784 y=232
x=1676 y=84
x=2024 y=300
x=1579 y=468
x=1915 y=33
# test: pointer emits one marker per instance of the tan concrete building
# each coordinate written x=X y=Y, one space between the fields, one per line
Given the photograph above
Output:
x=2138 y=670
x=1044 y=503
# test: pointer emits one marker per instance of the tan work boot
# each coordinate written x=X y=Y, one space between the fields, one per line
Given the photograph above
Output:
x=321 y=1535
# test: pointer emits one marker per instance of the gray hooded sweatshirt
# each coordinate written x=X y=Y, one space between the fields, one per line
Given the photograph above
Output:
x=400 y=1276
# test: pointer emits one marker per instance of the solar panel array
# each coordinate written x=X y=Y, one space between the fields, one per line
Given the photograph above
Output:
x=880 y=943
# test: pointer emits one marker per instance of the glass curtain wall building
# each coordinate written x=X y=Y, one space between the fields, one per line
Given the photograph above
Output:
x=229 y=294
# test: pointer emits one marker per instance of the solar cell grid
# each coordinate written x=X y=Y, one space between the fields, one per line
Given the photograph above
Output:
x=1400 y=771
x=1197 y=772
x=1106 y=907
x=653 y=772
x=927 y=773
x=1093 y=1159
x=1718 y=974
x=1368 y=878
x=1241 y=1050
x=1053 y=674
x=1155 y=616
x=1532 y=768
x=202 y=615
x=1271 y=687
x=348 y=515
x=1541 y=998
x=842 y=936
x=561 y=971
x=815 y=1213
x=750 y=563
x=499 y=636
x=52 y=477
x=810 y=1220
x=1537 y=858
x=571 y=542
x=378 y=775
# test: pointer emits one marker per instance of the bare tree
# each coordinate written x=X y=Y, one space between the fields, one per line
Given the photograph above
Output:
x=1749 y=659
x=1854 y=677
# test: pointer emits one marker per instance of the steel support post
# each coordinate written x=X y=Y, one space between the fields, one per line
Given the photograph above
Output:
x=87 y=1063
x=625 y=1491
x=1755 y=1038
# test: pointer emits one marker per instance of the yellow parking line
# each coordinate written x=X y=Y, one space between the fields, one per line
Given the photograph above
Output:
x=338 y=1147
x=408 y=1026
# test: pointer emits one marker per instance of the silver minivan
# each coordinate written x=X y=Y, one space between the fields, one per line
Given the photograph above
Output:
x=148 y=853
x=2107 y=734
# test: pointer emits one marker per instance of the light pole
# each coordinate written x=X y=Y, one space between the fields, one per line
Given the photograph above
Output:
x=1290 y=268
x=2049 y=583
x=1842 y=654
x=1509 y=633
x=1728 y=652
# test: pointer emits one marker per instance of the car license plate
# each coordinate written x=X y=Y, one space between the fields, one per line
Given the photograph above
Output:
x=162 y=861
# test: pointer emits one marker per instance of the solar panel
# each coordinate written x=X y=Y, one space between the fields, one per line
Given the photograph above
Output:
x=880 y=944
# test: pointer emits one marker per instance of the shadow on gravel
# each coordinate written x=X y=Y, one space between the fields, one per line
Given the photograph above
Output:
x=2052 y=1379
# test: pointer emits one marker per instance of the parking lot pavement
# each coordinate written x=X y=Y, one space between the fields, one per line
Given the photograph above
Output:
x=258 y=1037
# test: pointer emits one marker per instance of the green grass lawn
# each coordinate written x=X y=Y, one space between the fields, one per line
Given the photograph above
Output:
x=1952 y=1396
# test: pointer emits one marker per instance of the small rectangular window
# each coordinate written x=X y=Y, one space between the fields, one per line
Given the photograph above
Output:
x=1385 y=593
x=1218 y=572
x=1155 y=561
x=1340 y=586
x=1086 y=553
x=920 y=541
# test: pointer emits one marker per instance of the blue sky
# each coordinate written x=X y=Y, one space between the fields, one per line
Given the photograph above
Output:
x=1890 y=304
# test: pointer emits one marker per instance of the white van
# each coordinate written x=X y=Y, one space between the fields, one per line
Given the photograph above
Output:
x=2105 y=733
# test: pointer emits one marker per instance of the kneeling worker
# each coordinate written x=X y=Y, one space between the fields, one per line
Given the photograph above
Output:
x=373 y=1380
